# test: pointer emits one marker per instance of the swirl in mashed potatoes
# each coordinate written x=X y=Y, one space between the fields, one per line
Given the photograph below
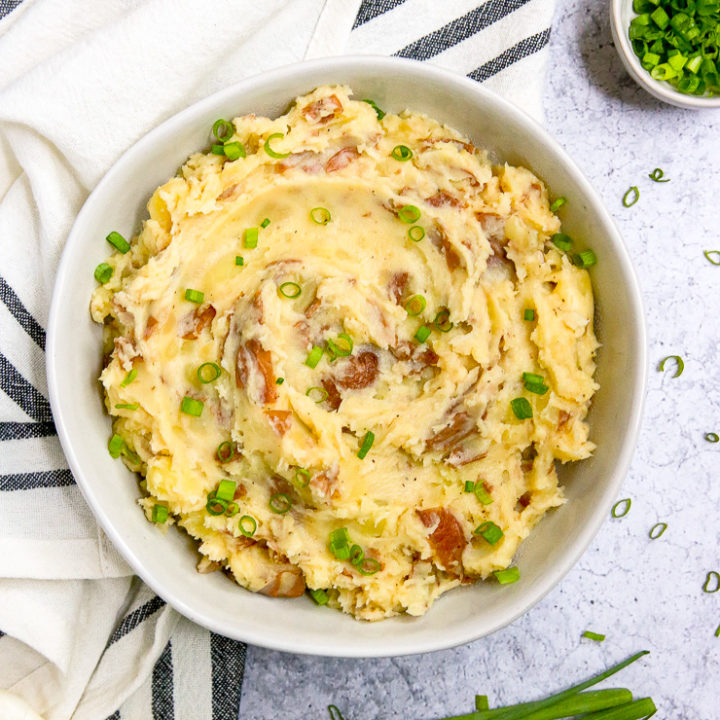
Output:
x=402 y=463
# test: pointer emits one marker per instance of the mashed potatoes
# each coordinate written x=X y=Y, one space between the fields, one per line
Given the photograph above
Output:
x=344 y=355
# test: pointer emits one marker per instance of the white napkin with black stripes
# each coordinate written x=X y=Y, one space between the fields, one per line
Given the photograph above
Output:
x=81 y=81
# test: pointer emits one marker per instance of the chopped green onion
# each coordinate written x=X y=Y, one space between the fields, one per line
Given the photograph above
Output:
x=357 y=555
x=302 y=477
x=226 y=490
x=208 y=372
x=194 y=296
x=469 y=486
x=660 y=18
x=561 y=241
x=717 y=632
x=422 y=333
x=415 y=305
x=317 y=394
x=247 y=525
x=590 y=635
x=715 y=254
x=216 y=506
x=621 y=508
x=507 y=576
x=218 y=150
x=558 y=203
x=159 y=514
x=289 y=290
x=340 y=536
x=265 y=223
x=408 y=214
x=522 y=408
x=678 y=361
x=250 y=238
x=483 y=496
x=481 y=702
x=127 y=406
x=712 y=582
x=529 y=315
x=232 y=509
x=320 y=215
x=416 y=233
x=129 y=377
x=335 y=714
x=367 y=443
x=631 y=196
x=442 y=320
x=534 y=383
x=190 y=406
x=401 y=153
x=657 y=175
x=239 y=260
x=712 y=437
x=378 y=111
x=118 y=242
x=657 y=530
x=223 y=130
x=103 y=272
x=280 y=503
x=342 y=346
x=532 y=378
x=115 y=446
x=225 y=451
x=270 y=151
x=369 y=566
x=489 y=531
x=585 y=259
x=314 y=356
x=234 y=150
x=279 y=381
x=340 y=550
x=320 y=596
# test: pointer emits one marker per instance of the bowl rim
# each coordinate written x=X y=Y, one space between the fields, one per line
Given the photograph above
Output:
x=326 y=646
x=659 y=89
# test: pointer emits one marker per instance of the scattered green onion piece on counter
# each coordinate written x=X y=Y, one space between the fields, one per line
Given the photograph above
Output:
x=380 y=114
x=127 y=406
x=250 y=238
x=302 y=477
x=712 y=582
x=239 y=260
x=191 y=406
x=714 y=254
x=416 y=233
x=218 y=149
x=481 y=702
x=712 y=437
x=289 y=290
x=208 y=372
x=118 y=242
x=522 y=408
x=320 y=215
x=225 y=451
x=658 y=175
x=234 y=150
x=132 y=374
x=232 y=509
x=280 y=503
x=279 y=381
x=265 y=223
x=317 y=394
x=335 y=713
x=529 y=315
x=621 y=508
x=631 y=196
x=226 y=490
x=270 y=151
x=717 y=632
x=320 y=596
x=115 y=446
x=590 y=635
x=314 y=356
x=402 y=153
x=247 y=525
x=223 y=130
x=490 y=532
x=678 y=361
x=103 y=272
x=367 y=443
x=216 y=506
x=408 y=214
x=562 y=241
x=442 y=320
x=557 y=203
x=422 y=333
x=369 y=566
x=357 y=555
x=341 y=346
x=481 y=493
x=469 y=486
x=415 y=305
x=159 y=514
x=657 y=530
x=507 y=576
x=585 y=259
x=194 y=296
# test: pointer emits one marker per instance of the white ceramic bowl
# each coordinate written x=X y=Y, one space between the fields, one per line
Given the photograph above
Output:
x=621 y=13
x=167 y=562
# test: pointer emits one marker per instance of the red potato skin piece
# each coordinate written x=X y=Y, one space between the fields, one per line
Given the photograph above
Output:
x=280 y=420
x=439 y=239
x=447 y=539
x=287 y=584
x=150 y=327
x=397 y=287
x=202 y=317
x=360 y=371
x=443 y=199
x=334 y=398
x=341 y=159
x=253 y=352
x=324 y=109
x=459 y=428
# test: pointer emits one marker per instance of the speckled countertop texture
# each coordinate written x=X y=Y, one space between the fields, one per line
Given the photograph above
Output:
x=642 y=594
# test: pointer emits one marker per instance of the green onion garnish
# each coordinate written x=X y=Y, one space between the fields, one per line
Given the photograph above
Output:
x=585 y=259
x=590 y=635
x=712 y=582
x=715 y=254
x=409 y=214
x=208 y=372
x=280 y=503
x=481 y=702
x=357 y=555
x=320 y=215
x=415 y=305
x=279 y=381
x=631 y=196
x=416 y=233
x=320 y=596
x=522 y=408
x=529 y=315
x=507 y=576
x=239 y=260
x=115 y=446
x=342 y=346
x=621 y=508
x=194 y=296
x=190 y=406
x=712 y=437
x=482 y=494
x=657 y=530
x=339 y=544
x=534 y=383
x=678 y=361
x=314 y=356
x=270 y=151
x=442 y=320
x=369 y=566
x=489 y=531
x=367 y=443
x=378 y=111
x=234 y=150
x=103 y=272
x=561 y=241
x=558 y=203
x=216 y=506
x=225 y=451
x=118 y=242
x=717 y=631
x=422 y=333
x=223 y=130
x=340 y=536
x=247 y=525
x=129 y=377
x=317 y=394
x=302 y=477
x=289 y=290
x=657 y=175
x=401 y=153
x=232 y=509
x=226 y=490
x=469 y=486
x=159 y=514
x=250 y=238
x=218 y=150
x=335 y=713
x=127 y=406
x=265 y=223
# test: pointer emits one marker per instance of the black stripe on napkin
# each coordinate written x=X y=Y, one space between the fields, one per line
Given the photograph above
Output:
x=7 y=5
x=32 y=481
x=460 y=29
x=228 y=665
x=24 y=431
x=372 y=8
x=133 y=619
x=163 y=704
x=114 y=716
x=22 y=393
x=528 y=46
x=28 y=323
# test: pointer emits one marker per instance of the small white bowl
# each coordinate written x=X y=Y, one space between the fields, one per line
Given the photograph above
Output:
x=621 y=13
x=167 y=562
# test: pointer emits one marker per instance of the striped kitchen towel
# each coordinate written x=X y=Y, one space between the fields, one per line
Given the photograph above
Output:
x=81 y=81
